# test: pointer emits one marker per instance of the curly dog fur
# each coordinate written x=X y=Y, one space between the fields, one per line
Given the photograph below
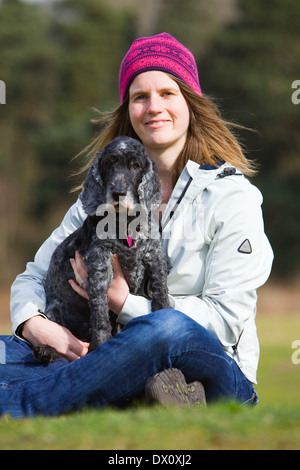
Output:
x=121 y=181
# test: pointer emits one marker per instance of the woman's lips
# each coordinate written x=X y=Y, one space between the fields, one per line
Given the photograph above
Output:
x=157 y=123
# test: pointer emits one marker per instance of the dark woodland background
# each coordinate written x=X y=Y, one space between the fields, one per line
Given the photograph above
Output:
x=60 y=59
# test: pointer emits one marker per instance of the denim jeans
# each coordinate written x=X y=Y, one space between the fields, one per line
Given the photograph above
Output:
x=117 y=370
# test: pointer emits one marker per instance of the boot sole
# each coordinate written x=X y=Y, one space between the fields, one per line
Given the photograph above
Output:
x=169 y=387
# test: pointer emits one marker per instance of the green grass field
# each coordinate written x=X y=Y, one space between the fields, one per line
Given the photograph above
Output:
x=273 y=424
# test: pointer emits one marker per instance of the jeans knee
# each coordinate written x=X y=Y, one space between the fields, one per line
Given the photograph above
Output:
x=166 y=327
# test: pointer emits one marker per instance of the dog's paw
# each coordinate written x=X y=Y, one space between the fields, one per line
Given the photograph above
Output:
x=93 y=345
x=44 y=353
x=100 y=339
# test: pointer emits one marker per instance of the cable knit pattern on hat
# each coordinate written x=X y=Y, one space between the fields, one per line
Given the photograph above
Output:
x=161 y=52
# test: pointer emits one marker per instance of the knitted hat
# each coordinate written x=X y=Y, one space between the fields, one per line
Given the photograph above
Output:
x=161 y=52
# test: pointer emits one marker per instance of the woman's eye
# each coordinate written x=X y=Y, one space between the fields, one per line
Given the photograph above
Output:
x=167 y=93
x=140 y=97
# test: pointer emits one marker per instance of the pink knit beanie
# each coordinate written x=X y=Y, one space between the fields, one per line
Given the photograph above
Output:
x=161 y=52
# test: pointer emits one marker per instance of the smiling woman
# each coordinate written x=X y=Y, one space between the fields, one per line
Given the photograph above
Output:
x=159 y=115
x=208 y=336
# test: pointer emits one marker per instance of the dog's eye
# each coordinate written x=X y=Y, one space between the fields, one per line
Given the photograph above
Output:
x=106 y=163
x=135 y=165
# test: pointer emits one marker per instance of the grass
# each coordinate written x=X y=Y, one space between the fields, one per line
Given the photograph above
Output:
x=278 y=377
x=219 y=427
x=273 y=424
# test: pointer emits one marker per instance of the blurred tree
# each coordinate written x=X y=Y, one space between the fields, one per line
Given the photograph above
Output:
x=250 y=66
x=194 y=22
x=92 y=34
x=29 y=67
x=57 y=63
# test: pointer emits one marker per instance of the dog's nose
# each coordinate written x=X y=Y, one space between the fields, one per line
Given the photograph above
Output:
x=117 y=193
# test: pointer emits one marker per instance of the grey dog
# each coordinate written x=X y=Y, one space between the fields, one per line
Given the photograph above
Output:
x=119 y=196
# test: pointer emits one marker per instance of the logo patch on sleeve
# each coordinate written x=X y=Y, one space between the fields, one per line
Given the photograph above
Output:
x=245 y=247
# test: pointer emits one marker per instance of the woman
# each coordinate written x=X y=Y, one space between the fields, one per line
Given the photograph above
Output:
x=212 y=234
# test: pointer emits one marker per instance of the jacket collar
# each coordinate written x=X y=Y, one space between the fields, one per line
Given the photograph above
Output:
x=193 y=180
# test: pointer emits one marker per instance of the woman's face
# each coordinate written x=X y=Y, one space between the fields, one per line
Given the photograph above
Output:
x=158 y=112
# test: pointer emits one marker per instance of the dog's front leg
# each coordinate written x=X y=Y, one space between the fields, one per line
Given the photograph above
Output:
x=99 y=279
x=156 y=266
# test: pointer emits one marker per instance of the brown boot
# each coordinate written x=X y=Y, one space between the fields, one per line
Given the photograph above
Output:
x=169 y=387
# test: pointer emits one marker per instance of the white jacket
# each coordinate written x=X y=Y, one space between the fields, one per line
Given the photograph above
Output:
x=213 y=236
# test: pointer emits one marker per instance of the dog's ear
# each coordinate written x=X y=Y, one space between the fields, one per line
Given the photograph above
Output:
x=92 y=194
x=149 y=189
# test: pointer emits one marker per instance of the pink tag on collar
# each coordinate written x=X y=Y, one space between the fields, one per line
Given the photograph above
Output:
x=129 y=241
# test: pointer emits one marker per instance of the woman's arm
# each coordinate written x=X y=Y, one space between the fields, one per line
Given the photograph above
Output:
x=27 y=291
x=40 y=330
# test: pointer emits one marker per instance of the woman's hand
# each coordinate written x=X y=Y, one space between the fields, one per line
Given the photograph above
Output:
x=118 y=290
x=40 y=330
x=80 y=273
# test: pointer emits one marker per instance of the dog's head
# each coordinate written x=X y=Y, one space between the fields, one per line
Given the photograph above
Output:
x=122 y=173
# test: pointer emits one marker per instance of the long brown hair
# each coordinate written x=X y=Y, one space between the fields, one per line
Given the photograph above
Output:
x=209 y=137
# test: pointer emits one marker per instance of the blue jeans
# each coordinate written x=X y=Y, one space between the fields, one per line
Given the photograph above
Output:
x=117 y=370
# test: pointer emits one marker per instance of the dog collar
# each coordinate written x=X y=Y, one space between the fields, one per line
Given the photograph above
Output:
x=129 y=241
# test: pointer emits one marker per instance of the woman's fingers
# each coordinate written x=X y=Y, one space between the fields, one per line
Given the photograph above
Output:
x=80 y=273
x=76 y=349
x=79 y=268
x=80 y=290
x=118 y=290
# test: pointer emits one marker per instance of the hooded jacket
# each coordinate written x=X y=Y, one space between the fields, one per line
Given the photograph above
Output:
x=213 y=236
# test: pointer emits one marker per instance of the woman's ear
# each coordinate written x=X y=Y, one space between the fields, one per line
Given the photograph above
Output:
x=92 y=194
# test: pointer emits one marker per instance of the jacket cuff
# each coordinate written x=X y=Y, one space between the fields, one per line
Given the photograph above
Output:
x=134 y=307
x=28 y=311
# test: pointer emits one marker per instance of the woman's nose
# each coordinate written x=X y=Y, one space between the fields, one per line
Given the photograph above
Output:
x=154 y=104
